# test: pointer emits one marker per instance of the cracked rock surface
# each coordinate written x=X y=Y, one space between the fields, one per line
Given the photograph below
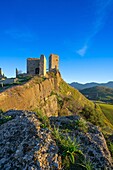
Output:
x=25 y=145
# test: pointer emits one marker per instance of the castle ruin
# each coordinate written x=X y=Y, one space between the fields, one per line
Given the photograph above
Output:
x=1 y=74
x=37 y=66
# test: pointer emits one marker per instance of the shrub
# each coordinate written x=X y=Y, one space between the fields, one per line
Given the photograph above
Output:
x=92 y=115
x=4 y=118
x=81 y=124
x=110 y=146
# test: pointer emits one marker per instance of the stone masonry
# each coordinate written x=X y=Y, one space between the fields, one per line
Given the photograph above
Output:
x=1 y=74
x=38 y=65
x=42 y=68
x=53 y=62
x=33 y=65
x=0 y=71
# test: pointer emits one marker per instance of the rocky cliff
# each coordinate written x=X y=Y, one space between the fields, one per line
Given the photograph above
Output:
x=49 y=94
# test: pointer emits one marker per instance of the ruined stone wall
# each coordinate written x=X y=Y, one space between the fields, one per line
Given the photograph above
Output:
x=0 y=71
x=53 y=62
x=42 y=65
x=33 y=65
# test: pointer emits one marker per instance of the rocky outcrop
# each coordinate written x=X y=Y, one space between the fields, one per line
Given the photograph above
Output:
x=42 y=93
x=34 y=94
x=91 y=140
x=25 y=145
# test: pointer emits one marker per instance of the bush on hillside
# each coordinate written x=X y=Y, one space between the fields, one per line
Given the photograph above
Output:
x=92 y=115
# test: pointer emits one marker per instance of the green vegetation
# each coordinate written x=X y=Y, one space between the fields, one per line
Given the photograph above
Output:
x=93 y=115
x=110 y=146
x=86 y=164
x=96 y=116
x=4 y=118
x=43 y=118
x=107 y=109
x=22 y=80
x=72 y=156
x=69 y=149
x=97 y=93
x=38 y=79
x=81 y=125
x=68 y=91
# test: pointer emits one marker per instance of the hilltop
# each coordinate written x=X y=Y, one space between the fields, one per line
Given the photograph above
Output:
x=99 y=93
x=50 y=94
x=80 y=86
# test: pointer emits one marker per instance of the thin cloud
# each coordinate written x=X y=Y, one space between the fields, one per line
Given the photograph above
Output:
x=82 y=51
x=101 y=15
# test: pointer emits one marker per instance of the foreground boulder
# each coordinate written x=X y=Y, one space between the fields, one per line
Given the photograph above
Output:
x=91 y=140
x=25 y=145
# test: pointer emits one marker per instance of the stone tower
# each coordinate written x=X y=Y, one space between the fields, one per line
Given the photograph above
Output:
x=16 y=72
x=53 y=62
x=1 y=74
x=42 y=65
x=0 y=71
x=33 y=66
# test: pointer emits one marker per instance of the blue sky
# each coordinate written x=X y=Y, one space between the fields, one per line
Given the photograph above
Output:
x=80 y=32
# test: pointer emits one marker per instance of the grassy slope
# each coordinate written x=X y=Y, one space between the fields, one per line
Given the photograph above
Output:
x=74 y=101
x=99 y=93
x=108 y=111
x=74 y=98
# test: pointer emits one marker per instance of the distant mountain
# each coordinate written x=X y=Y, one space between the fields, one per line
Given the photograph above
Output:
x=99 y=93
x=89 y=85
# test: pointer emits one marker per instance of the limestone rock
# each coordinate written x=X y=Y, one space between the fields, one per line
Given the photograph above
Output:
x=25 y=145
x=92 y=142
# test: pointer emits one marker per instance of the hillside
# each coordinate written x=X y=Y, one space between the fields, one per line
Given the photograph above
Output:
x=99 y=93
x=108 y=111
x=89 y=85
x=51 y=95
x=47 y=124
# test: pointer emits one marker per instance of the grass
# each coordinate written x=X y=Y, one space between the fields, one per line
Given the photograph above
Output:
x=69 y=149
x=86 y=164
x=74 y=95
x=43 y=118
x=92 y=115
x=107 y=109
x=81 y=125
x=110 y=146
x=4 y=118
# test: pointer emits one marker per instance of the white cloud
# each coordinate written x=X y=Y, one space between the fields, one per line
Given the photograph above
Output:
x=82 y=51
x=102 y=10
